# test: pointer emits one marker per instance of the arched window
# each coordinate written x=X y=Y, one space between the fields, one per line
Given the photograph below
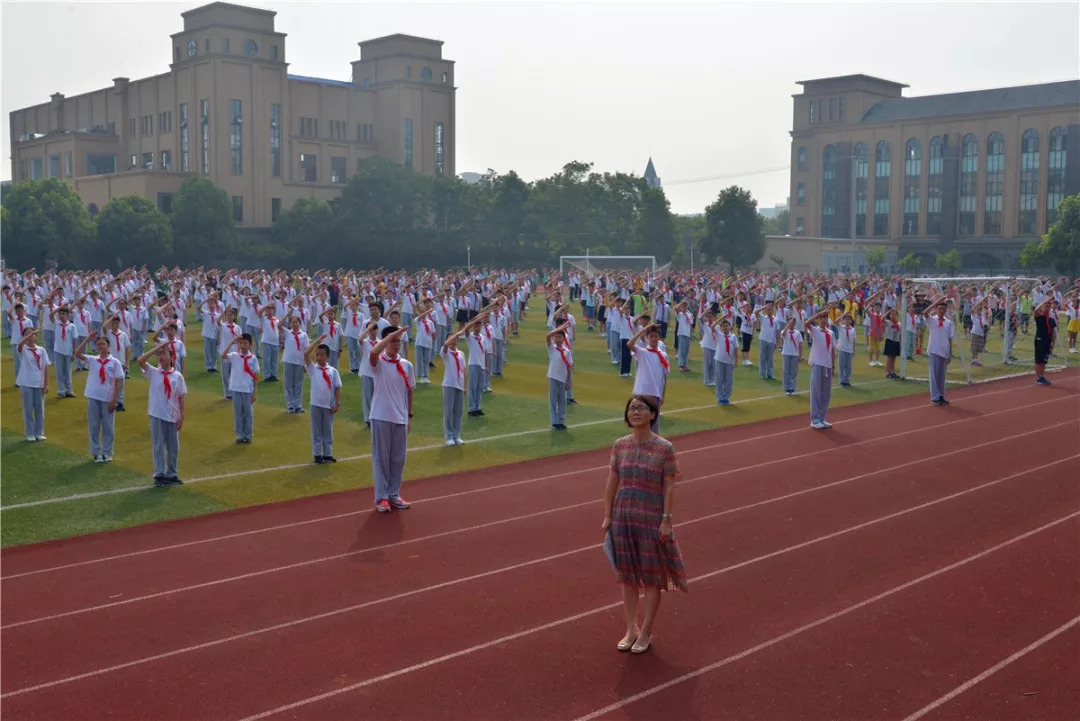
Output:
x=969 y=183
x=935 y=184
x=1029 y=182
x=1055 y=172
x=828 y=192
x=800 y=159
x=882 y=173
x=425 y=74
x=995 y=179
x=912 y=177
x=862 y=170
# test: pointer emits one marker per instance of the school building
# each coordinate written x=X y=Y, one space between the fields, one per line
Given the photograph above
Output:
x=981 y=171
x=229 y=110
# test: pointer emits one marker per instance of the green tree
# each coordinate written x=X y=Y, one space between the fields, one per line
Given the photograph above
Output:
x=1060 y=247
x=911 y=263
x=305 y=232
x=778 y=261
x=46 y=222
x=734 y=228
x=689 y=228
x=949 y=262
x=875 y=257
x=777 y=225
x=203 y=230
x=1031 y=257
x=654 y=230
x=132 y=231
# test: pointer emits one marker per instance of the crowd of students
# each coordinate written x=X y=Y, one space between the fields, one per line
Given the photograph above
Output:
x=255 y=324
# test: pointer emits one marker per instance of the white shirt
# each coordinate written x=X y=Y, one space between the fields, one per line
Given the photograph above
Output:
x=296 y=342
x=118 y=343
x=769 y=326
x=453 y=369
x=560 y=362
x=652 y=371
x=64 y=337
x=845 y=339
x=239 y=380
x=96 y=387
x=708 y=336
x=477 y=350
x=725 y=351
x=32 y=367
x=821 y=347
x=210 y=318
x=941 y=333
x=683 y=323
x=162 y=405
x=425 y=332
x=792 y=342
x=394 y=378
x=322 y=394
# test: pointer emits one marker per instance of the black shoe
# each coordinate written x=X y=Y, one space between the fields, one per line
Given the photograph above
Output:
x=119 y=406
x=329 y=459
x=943 y=401
x=239 y=441
x=160 y=481
x=173 y=482
x=69 y=395
x=431 y=365
x=480 y=413
x=938 y=402
x=572 y=402
x=320 y=459
x=472 y=413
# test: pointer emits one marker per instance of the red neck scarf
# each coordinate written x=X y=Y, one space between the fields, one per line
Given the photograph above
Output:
x=326 y=377
x=400 y=369
x=296 y=335
x=166 y=382
x=828 y=339
x=116 y=334
x=941 y=321
x=63 y=330
x=273 y=323
x=354 y=321
x=457 y=361
x=101 y=369
x=37 y=356
x=727 y=343
x=247 y=368
x=663 y=360
x=565 y=360
x=332 y=324
x=847 y=331
x=791 y=335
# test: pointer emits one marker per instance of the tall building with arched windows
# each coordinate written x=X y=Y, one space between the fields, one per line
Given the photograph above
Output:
x=229 y=109
x=982 y=171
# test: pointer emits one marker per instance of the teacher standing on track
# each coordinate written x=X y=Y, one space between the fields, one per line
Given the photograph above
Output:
x=638 y=503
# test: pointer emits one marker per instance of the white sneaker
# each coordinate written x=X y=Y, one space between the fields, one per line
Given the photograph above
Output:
x=41 y=438
x=99 y=459
x=1072 y=350
x=107 y=459
x=825 y=424
x=450 y=442
x=459 y=442
x=31 y=439
x=816 y=425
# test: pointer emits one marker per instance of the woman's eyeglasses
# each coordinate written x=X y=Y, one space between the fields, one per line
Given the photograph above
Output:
x=640 y=409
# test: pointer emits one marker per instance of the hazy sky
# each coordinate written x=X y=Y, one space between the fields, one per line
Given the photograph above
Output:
x=705 y=87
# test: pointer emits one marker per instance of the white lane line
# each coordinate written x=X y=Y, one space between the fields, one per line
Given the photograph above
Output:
x=535 y=514
x=993 y=669
x=486 y=574
x=600 y=609
x=806 y=627
x=458 y=494
x=363 y=456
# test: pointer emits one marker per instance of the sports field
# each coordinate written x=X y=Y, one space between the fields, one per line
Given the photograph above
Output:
x=53 y=489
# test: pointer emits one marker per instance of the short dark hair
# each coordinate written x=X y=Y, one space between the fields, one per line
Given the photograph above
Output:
x=246 y=336
x=324 y=348
x=388 y=330
x=654 y=407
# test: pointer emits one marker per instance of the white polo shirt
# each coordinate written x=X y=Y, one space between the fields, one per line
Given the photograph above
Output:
x=393 y=380
x=119 y=342
x=425 y=332
x=103 y=373
x=64 y=337
x=32 y=367
x=941 y=333
x=821 y=347
x=769 y=326
x=727 y=345
x=652 y=370
x=240 y=381
x=296 y=342
x=210 y=318
x=229 y=331
x=324 y=379
x=162 y=404
x=560 y=362
x=792 y=342
x=708 y=336
x=845 y=339
x=366 y=345
x=477 y=350
x=453 y=369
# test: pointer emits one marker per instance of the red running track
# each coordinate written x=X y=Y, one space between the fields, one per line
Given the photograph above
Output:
x=913 y=562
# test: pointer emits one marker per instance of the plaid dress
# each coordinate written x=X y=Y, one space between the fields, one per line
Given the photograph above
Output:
x=641 y=558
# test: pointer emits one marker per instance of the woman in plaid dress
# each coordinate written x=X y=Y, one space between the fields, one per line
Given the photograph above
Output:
x=638 y=502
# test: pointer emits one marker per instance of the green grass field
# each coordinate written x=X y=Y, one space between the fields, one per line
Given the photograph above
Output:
x=277 y=466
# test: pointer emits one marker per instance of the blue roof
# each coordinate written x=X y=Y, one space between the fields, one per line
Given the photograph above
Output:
x=1047 y=95
x=324 y=81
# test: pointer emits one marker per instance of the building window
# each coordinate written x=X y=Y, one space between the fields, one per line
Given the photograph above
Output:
x=100 y=164
x=408 y=72
x=995 y=178
x=799 y=229
x=812 y=106
x=912 y=177
x=935 y=184
x=164 y=203
x=112 y=127
x=862 y=172
x=1055 y=173
x=828 y=192
x=309 y=127
x=148 y=125
x=185 y=165
x=68 y=170
x=882 y=175
x=237 y=209
x=800 y=193
x=205 y=129
x=337 y=130
x=207 y=44
x=309 y=168
x=236 y=137
x=832 y=107
x=800 y=159
x=408 y=154
x=821 y=110
x=364 y=132
x=1029 y=181
x=166 y=160
x=840 y=108
x=438 y=149
x=134 y=162
x=225 y=45
x=131 y=126
x=273 y=52
x=147 y=161
x=969 y=184
x=53 y=169
x=165 y=122
x=275 y=209
x=337 y=170
x=275 y=140
x=425 y=74
x=445 y=78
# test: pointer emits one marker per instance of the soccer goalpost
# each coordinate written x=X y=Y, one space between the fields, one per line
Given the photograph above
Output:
x=601 y=263
x=1008 y=352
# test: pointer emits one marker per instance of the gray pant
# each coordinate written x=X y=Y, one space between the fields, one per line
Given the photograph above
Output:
x=765 y=358
x=49 y=337
x=269 y=359
x=294 y=387
x=683 y=342
x=165 y=442
x=389 y=445
x=255 y=332
x=725 y=375
x=367 y=391
x=243 y=420
x=441 y=331
x=81 y=364
x=820 y=392
x=63 y=372
x=406 y=321
x=843 y=366
x=210 y=353
x=138 y=343
x=500 y=357
x=488 y=370
x=322 y=431
x=613 y=344
x=453 y=404
x=790 y=369
x=709 y=365
x=102 y=425
x=226 y=373
x=557 y=401
x=938 y=365
x=476 y=386
x=18 y=358
x=333 y=357
x=354 y=353
x=33 y=410
x=423 y=361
